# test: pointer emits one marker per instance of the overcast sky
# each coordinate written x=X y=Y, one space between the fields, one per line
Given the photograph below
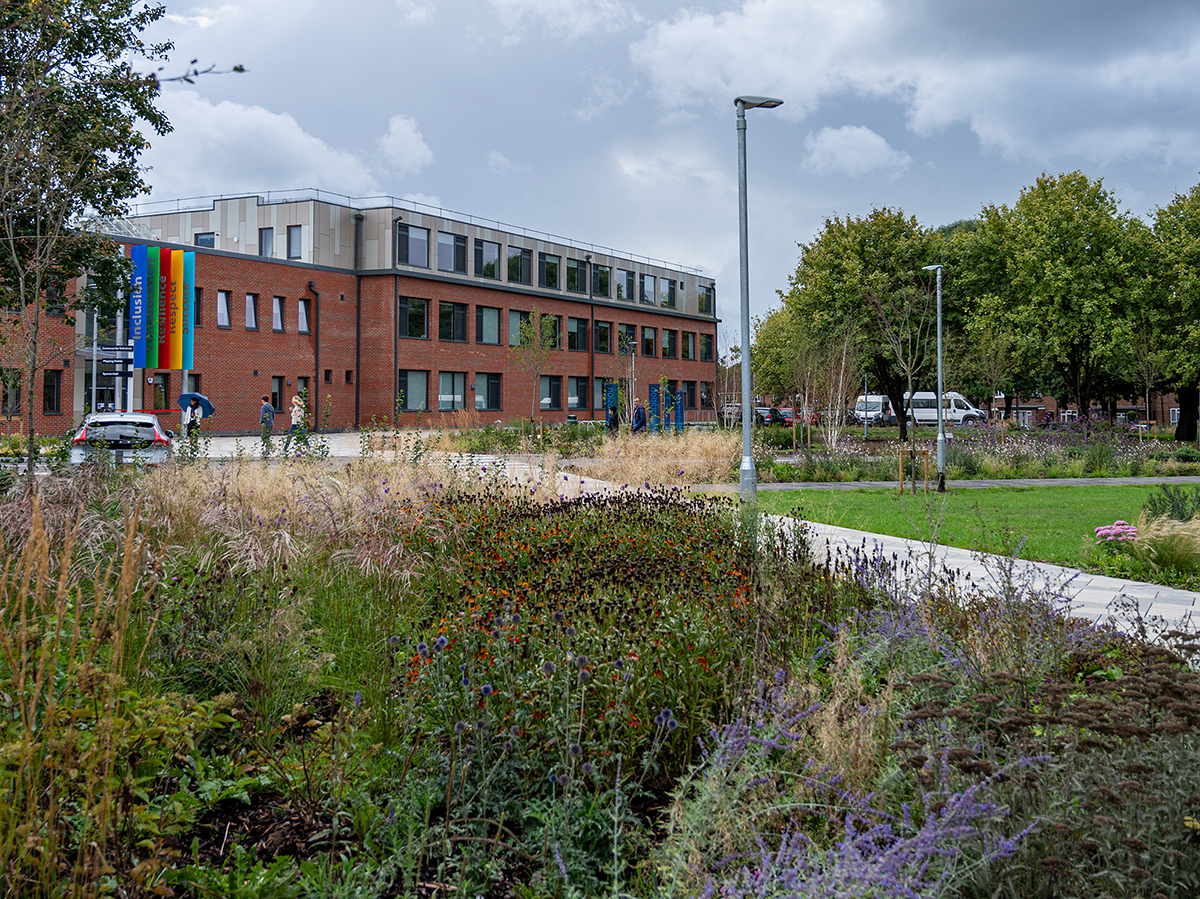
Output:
x=613 y=122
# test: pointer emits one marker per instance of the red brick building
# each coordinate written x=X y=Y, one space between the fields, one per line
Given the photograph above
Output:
x=386 y=306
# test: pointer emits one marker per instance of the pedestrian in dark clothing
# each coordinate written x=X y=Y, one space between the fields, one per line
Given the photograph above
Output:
x=266 y=418
x=613 y=422
x=191 y=419
x=639 y=417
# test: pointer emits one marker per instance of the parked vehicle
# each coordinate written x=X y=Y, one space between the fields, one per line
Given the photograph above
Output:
x=922 y=410
x=769 y=415
x=122 y=436
x=875 y=409
x=786 y=412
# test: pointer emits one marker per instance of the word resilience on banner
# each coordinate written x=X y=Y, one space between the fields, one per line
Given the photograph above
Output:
x=162 y=307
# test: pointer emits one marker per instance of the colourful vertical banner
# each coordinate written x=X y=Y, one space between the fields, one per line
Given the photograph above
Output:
x=188 y=313
x=655 y=413
x=164 y=308
x=137 y=305
x=152 y=282
x=679 y=411
x=176 y=316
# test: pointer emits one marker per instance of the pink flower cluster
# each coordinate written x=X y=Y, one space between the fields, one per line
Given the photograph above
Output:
x=1118 y=530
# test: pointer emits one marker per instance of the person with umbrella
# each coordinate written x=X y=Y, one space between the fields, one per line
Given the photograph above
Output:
x=196 y=407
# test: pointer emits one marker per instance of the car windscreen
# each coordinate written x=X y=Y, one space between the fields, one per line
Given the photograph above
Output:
x=120 y=434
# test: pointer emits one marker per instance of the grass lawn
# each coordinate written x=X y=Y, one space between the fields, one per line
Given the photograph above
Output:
x=1056 y=522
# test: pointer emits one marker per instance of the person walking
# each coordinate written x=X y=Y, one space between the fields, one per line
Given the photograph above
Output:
x=266 y=418
x=612 y=421
x=639 y=417
x=297 y=428
x=191 y=419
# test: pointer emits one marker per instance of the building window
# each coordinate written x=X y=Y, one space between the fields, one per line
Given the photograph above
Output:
x=515 y=320
x=548 y=270
x=577 y=275
x=520 y=265
x=706 y=395
x=413 y=318
x=706 y=348
x=556 y=336
x=452 y=253
x=329 y=376
x=452 y=321
x=626 y=339
x=487 y=325
x=412 y=246
x=577 y=336
x=302 y=315
x=193 y=382
x=266 y=241
x=222 y=308
x=666 y=292
x=624 y=285
x=603 y=337
x=160 y=390
x=598 y=392
x=277 y=314
x=602 y=280
x=646 y=293
x=706 y=300
x=197 y=305
x=577 y=393
x=413 y=391
x=487 y=392
x=52 y=391
x=207 y=239
x=251 y=312
x=689 y=394
x=293 y=234
x=551 y=393
x=301 y=388
x=487 y=259
x=451 y=390
x=689 y=345
x=277 y=392
x=670 y=344
x=649 y=339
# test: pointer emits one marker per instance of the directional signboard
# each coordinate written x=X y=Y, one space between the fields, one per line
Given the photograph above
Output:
x=116 y=348
x=114 y=373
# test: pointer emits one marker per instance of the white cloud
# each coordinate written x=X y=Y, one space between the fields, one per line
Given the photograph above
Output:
x=501 y=165
x=853 y=150
x=403 y=148
x=607 y=92
x=203 y=17
x=570 y=18
x=227 y=147
x=1026 y=97
x=415 y=12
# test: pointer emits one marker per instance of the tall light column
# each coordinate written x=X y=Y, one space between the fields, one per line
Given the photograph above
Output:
x=749 y=480
x=941 y=388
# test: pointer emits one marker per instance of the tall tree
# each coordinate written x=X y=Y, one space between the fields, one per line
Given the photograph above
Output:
x=71 y=109
x=857 y=276
x=1066 y=270
x=1177 y=231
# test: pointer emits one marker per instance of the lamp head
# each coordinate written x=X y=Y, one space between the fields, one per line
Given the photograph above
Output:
x=756 y=102
x=930 y=268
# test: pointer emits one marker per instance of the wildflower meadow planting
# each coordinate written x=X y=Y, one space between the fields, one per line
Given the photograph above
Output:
x=393 y=678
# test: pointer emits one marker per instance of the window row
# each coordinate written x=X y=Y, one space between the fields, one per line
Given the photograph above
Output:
x=515 y=264
x=452 y=318
x=281 y=312
x=455 y=387
x=266 y=241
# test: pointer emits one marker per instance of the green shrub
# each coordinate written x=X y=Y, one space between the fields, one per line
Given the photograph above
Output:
x=1170 y=501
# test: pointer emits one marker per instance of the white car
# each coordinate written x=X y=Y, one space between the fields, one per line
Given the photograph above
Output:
x=956 y=409
x=123 y=437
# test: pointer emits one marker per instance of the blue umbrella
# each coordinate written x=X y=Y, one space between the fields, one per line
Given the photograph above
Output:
x=206 y=405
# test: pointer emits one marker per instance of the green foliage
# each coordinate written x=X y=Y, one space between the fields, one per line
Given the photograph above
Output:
x=1177 y=503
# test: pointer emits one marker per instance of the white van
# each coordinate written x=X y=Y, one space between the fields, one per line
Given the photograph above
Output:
x=955 y=408
x=874 y=408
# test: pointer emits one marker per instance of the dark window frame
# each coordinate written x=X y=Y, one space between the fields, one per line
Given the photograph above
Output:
x=298 y=244
x=302 y=320
x=545 y=270
x=404 y=245
x=649 y=340
x=402 y=379
x=405 y=317
x=524 y=265
x=251 y=311
x=608 y=329
x=205 y=239
x=707 y=347
x=266 y=241
x=577 y=339
x=224 y=295
x=458 y=253
x=52 y=392
x=489 y=386
x=554 y=382
x=452 y=321
x=481 y=265
x=576 y=273
x=479 y=311
x=277 y=306
x=584 y=402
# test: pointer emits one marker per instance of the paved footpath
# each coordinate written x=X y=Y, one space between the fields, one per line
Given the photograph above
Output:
x=1091 y=595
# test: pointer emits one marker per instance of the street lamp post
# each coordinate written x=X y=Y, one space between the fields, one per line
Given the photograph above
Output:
x=749 y=482
x=941 y=387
